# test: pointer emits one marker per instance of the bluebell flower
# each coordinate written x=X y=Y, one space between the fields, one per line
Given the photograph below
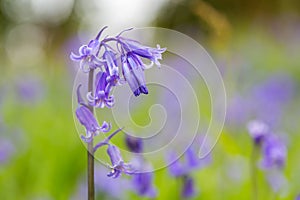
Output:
x=188 y=188
x=101 y=97
x=258 y=131
x=133 y=72
x=87 y=119
x=143 y=184
x=274 y=153
x=189 y=163
x=134 y=144
x=118 y=165
x=183 y=167
x=88 y=56
x=110 y=64
x=153 y=54
x=177 y=168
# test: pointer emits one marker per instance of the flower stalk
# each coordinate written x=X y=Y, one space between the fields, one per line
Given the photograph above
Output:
x=90 y=152
x=110 y=74
x=253 y=171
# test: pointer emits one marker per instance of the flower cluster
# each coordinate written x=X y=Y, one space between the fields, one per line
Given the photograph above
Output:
x=183 y=170
x=114 y=65
x=273 y=150
x=124 y=62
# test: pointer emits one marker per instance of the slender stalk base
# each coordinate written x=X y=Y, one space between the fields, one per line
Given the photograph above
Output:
x=90 y=152
x=91 y=190
x=253 y=173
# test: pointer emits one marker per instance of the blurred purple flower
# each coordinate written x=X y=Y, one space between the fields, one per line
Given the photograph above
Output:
x=238 y=111
x=276 y=180
x=101 y=97
x=143 y=184
x=258 y=131
x=298 y=197
x=6 y=149
x=274 y=153
x=30 y=90
x=134 y=144
x=191 y=162
x=271 y=96
x=111 y=187
x=188 y=189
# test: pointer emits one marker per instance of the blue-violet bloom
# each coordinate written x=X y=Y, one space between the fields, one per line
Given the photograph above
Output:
x=188 y=188
x=133 y=73
x=143 y=184
x=153 y=54
x=134 y=144
x=111 y=68
x=274 y=153
x=103 y=88
x=258 y=131
x=88 y=56
x=118 y=165
x=87 y=119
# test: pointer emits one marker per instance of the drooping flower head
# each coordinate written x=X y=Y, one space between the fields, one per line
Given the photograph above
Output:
x=88 y=54
x=258 y=131
x=128 y=51
x=111 y=67
x=143 y=184
x=102 y=95
x=132 y=68
x=153 y=54
x=87 y=119
x=190 y=162
x=118 y=165
x=274 y=153
x=188 y=189
x=134 y=144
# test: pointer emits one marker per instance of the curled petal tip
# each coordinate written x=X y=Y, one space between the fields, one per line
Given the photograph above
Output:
x=75 y=57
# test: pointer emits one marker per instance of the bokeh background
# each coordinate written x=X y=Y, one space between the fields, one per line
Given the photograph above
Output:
x=255 y=44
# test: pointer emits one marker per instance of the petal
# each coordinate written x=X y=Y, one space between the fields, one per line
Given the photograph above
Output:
x=88 y=138
x=90 y=97
x=105 y=127
x=97 y=61
x=93 y=44
x=82 y=50
x=114 y=155
x=84 y=66
x=75 y=57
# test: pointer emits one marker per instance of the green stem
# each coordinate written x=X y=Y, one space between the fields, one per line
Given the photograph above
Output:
x=253 y=172
x=90 y=152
